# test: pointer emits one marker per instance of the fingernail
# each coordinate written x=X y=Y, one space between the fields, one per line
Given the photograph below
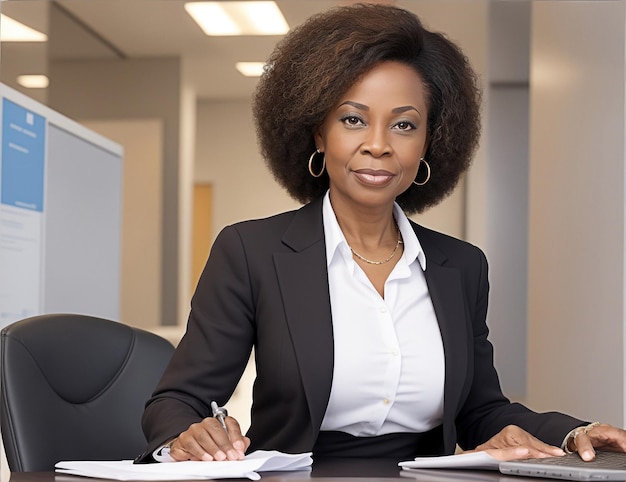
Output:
x=233 y=455
x=239 y=445
x=587 y=455
x=219 y=455
x=207 y=457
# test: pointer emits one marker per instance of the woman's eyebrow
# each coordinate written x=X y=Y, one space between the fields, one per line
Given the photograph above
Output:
x=400 y=110
x=355 y=104
x=395 y=110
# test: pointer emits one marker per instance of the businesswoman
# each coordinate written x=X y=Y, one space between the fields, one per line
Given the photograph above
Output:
x=368 y=330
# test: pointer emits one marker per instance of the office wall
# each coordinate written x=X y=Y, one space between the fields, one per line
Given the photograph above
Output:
x=507 y=190
x=186 y=168
x=140 y=289
x=131 y=89
x=227 y=156
x=576 y=210
x=506 y=244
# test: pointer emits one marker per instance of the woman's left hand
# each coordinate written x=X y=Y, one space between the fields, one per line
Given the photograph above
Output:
x=514 y=443
x=597 y=436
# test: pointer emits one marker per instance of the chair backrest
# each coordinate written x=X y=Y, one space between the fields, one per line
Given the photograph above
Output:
x=73 y=387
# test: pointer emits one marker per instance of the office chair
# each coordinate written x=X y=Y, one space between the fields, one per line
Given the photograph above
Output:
x=73 y=387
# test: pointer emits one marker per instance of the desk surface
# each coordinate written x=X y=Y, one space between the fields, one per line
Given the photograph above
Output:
x=332 y=470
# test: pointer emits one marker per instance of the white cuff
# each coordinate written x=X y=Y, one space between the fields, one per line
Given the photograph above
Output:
x=567 y=437
x=162 y=454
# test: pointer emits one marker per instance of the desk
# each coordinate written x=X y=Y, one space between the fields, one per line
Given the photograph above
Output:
x=331 y=470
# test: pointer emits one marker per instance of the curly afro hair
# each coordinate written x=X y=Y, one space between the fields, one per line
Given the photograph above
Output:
x=317 y=62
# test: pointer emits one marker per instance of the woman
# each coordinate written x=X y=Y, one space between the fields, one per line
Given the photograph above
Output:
x=369 y=330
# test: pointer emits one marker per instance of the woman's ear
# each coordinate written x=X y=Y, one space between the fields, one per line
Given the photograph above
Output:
x=319 y=139
x=426 y=146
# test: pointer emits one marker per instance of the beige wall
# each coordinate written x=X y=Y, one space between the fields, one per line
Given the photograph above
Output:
x=227 y=157
x=576 y=220
x=131 y=89
x=506 y=190
x=184 y=205
x=141 y=250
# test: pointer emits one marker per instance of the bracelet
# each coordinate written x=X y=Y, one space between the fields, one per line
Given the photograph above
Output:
x=571 y=437
x=169 y=444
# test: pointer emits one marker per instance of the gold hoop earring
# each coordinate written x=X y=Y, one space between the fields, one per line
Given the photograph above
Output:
x=427 y=173
x=317 y=151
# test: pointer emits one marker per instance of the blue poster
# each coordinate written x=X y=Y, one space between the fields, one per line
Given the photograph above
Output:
x=23 y=157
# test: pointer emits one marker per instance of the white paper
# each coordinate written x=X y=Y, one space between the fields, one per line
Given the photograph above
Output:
x=472 y=460
x=257 y=461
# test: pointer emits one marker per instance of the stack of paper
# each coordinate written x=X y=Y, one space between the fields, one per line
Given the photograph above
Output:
x=470 y=460
x=258 y=461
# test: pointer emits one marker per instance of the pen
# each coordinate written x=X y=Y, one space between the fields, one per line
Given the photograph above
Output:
x=220 y=413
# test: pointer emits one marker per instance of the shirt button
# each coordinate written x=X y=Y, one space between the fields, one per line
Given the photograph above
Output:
x=394 y=352
x=382 y=309
x=386 y=401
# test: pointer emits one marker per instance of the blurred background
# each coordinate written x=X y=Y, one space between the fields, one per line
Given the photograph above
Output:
x=544 y=198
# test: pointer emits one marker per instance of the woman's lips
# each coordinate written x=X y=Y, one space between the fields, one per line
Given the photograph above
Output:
x=374 y=177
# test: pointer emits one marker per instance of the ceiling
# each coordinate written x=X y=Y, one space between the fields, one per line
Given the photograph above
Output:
x=122 y=29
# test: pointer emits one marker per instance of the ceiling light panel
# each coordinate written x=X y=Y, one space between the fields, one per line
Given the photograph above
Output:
x=238 y=18
x=33 y=81
x=250 y=69
x=13 y=31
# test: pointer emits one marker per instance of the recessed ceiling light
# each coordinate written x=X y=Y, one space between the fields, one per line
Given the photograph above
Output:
x=250 y=69
x=33 y=81
x=14 y=31
x=238 y=18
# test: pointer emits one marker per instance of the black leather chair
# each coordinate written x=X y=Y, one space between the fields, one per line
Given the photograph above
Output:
x=73 y=387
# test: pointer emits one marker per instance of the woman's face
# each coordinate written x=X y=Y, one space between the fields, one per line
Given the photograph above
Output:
x=374 y=137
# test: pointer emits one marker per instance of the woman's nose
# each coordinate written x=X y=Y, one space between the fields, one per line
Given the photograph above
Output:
x=376 y=142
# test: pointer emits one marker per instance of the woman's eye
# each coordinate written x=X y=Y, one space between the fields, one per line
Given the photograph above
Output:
x=405 y=126
x=352 y=120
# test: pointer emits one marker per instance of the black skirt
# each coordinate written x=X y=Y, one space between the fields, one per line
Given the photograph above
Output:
x=399 y=446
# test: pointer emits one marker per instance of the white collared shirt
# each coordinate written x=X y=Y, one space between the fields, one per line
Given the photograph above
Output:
x=389 y=363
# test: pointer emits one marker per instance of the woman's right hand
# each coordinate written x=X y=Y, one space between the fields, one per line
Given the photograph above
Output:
x=207 y=440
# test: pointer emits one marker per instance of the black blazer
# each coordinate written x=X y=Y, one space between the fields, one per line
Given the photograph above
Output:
x=265 y=285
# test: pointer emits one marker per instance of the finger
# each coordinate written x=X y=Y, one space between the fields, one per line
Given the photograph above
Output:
x=514 y=453
x=584 y=447
x=206 y=440
x=540 y=449
x=238 y=441
x=543 y=452
x=216 y=442
x=536 y=448
x=179 y=453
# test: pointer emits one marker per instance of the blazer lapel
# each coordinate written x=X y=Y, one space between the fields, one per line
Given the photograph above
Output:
x=446 y=292
x=303 y=281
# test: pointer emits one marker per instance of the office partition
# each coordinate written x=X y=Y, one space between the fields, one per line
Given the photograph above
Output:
x=60 y=214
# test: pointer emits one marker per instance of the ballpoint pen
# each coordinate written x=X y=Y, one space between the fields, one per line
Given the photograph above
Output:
x=220 y=413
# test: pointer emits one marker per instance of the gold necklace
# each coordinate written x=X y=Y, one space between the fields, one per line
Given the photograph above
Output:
x=393 y=253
